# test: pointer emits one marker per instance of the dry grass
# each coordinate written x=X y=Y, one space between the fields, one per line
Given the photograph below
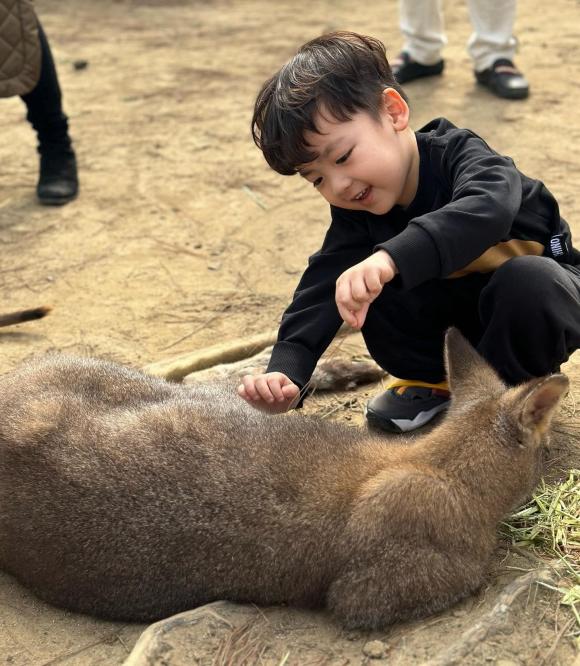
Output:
x=550 y=525
x=243 y=646
x=569 y=405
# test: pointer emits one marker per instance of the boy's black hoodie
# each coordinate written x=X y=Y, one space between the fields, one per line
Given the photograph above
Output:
x=473 y=210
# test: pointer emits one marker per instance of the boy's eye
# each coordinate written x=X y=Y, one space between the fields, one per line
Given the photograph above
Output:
x=344 y=157
x=317 y=182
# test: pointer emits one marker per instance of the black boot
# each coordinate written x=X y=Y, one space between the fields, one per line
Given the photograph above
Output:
x=58 y=181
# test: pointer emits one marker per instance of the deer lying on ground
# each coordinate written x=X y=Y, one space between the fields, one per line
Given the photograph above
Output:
x=127 y=497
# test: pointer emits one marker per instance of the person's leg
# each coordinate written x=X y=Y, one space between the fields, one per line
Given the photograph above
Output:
x=421 y=23
x=530 y=312
x=492 y=47
x=492 y=37
x=58 y=181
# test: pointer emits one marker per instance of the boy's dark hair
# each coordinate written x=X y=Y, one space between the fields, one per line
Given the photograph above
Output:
x=344 y=72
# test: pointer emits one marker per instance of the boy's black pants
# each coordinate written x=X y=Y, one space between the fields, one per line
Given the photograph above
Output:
x=524 y=318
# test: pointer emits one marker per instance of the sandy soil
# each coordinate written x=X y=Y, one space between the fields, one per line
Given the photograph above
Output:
x=182 y=237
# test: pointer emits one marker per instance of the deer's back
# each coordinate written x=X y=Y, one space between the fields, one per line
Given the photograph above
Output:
x=107 y=475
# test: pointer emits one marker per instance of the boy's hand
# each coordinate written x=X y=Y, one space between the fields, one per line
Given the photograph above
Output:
x=358 y=286
x=271 y=392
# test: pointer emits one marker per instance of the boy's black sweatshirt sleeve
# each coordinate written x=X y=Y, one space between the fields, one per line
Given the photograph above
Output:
x=311 y=321
x=486 y=194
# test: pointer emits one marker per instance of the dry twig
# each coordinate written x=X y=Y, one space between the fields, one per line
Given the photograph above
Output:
x=492 y=622
x=149 y=649
x=177 y=368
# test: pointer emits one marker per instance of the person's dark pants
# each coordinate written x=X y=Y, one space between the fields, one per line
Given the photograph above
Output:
x=44 y=105
x=524 y=318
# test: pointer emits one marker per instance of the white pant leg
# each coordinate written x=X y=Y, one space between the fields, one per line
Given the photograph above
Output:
x=493 y=24
x=421 y=23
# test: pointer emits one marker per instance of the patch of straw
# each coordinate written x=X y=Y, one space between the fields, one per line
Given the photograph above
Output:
x=569 y=405
x=243 y=646
x=550 y=525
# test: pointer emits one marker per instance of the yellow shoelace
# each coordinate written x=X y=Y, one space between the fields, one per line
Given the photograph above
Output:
x=406 y=383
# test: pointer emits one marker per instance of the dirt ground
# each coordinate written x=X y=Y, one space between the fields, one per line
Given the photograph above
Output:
x=182 y=237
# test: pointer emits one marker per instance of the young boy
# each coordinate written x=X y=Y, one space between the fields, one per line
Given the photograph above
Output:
x=429 y=229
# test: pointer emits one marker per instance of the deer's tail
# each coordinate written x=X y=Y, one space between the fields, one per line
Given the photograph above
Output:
x=24 y=315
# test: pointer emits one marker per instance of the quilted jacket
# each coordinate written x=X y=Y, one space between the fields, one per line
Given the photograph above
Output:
x=19 y=48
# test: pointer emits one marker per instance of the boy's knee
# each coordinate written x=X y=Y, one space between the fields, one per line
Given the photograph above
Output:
x=528 y=267
x=523 y=285
x=526 y=275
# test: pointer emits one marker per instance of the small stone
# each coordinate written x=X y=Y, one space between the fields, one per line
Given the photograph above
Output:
x=461 y=612
x=375 y=649
x=80 y=64
x=214 y=266
x=353 y=635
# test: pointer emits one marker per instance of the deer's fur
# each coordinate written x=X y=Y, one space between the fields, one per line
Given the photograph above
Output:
x=127 y=497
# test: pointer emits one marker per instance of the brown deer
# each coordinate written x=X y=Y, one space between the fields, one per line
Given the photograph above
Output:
x=127 y=497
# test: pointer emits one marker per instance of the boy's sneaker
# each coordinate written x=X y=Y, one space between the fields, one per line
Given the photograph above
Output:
x=406 y=69
x=407 y=405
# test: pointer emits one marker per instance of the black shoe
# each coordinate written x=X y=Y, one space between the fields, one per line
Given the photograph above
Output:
x=405 y=406
x=406 y=69
x=58 y=181
x=504 y=80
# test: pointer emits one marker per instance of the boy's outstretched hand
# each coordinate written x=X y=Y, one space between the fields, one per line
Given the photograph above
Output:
x=358 y=286
x=271 y=392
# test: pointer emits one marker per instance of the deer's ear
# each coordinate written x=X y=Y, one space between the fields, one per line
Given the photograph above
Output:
x=467 y=372
x=540 y=399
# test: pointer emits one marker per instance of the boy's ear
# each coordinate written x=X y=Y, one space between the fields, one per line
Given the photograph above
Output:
x=395 y=107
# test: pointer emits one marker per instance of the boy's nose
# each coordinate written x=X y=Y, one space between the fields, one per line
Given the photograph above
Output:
x=340 y=184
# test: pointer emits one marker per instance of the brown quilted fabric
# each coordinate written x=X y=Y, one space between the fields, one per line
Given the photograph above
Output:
x=19 y=48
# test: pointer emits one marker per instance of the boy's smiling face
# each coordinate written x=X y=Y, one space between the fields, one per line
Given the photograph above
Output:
x=365 y=163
